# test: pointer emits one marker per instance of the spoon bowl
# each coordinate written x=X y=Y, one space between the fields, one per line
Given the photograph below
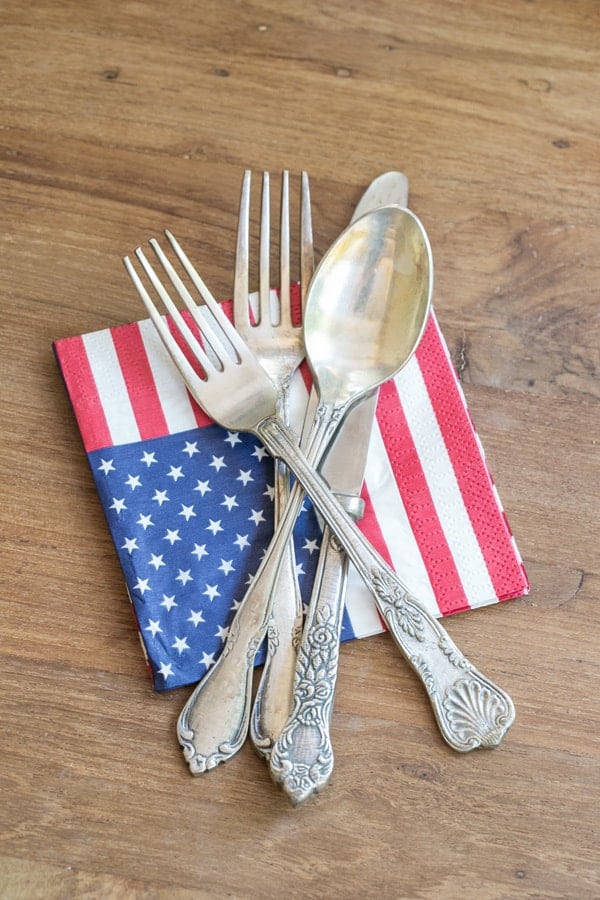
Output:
x=368 y=304
x=366 y=309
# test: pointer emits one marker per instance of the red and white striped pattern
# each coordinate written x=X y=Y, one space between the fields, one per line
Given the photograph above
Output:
x=432 y=509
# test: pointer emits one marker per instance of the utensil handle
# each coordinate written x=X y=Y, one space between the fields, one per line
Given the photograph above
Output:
x=302 y=757
x=274 y=693
x=470 y=710
x=214 y=722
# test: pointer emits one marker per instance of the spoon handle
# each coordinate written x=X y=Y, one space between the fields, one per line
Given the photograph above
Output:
x=470 y=710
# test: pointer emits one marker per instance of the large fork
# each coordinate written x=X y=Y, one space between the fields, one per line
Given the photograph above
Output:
x=277 y=342
x=235 y=390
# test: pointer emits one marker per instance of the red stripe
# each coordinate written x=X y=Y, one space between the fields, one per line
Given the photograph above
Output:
x=369 y=525
x=474 y=480
x=420 y=509
x=139 y=381
x=82 y=391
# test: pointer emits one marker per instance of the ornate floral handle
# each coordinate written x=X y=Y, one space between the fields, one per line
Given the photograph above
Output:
x=302 y=757
x=470 y=710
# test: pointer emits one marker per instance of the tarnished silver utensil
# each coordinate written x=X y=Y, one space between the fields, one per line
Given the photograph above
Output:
x=471 y=711
x=302 y=756
x=273 y=700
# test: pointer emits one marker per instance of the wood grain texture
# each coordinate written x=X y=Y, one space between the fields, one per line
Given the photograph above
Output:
x=118 y=120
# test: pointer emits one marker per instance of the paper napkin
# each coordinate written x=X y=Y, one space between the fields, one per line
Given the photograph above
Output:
x=190 y=505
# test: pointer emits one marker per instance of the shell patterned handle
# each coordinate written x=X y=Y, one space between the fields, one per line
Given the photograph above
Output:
x=471 y=710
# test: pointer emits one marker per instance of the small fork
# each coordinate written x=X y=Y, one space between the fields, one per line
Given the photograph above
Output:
x=234 y=389
x=277 y=342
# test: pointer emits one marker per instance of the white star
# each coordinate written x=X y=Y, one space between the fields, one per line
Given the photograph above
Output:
x=157 y=561
x=184 y=576
x=148 y=458
x=300 y=569
x=270 y=492
x=259 y=453
x=144 y=521
x=245 y=477
x=130 y=545
x=106 y=465
x=196 y=617
x=190 y=449
x=226 y=566
x=218 y=462
x=229 y=502
x=257 y=516
x=133 y=481
x=180 y=645
x=142 y=586
x=203 y=487
x=236 y=603
x=154 y=627
x=215 y=526
x=160 y=497
x=242 y=541
x=233 y=438
x=172 y=536
x=168 y=602
x=118 y=505
x=165 y=670
x=175 y=473
x=311 y=546
x=222 y=632
x=199 y=551
x=211 y=592
x=207 y=660
x=187 y=512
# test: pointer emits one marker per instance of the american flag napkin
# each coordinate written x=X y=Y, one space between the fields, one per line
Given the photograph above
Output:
x=190 y=505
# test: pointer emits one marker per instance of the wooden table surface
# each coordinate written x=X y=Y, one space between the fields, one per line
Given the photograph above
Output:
x=119 y=120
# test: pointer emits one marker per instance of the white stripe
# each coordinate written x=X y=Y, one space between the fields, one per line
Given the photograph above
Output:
x=395 y=526
x=111 y=387
x=443 y=486
x=173 y=396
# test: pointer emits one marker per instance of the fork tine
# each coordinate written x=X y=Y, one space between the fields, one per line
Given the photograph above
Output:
x=171 y=345
x=307 y=259
x=264 y=277
x=213 y=338
x=285 y=313
x=175 y=314
x=211 y=304
x=241 y=307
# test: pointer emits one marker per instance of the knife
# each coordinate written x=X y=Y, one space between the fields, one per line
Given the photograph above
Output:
x=301 y=759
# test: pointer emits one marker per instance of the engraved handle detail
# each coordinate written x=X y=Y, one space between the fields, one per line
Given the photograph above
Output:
x=302 y=757
x=470 y=710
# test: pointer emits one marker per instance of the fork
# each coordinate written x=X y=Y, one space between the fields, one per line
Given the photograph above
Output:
x=277 y=342
x=237 y=392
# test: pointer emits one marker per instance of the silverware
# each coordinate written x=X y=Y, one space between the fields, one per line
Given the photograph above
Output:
x=277 y=342
x=359 y=368
x=471 y=711
x=302 y=756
